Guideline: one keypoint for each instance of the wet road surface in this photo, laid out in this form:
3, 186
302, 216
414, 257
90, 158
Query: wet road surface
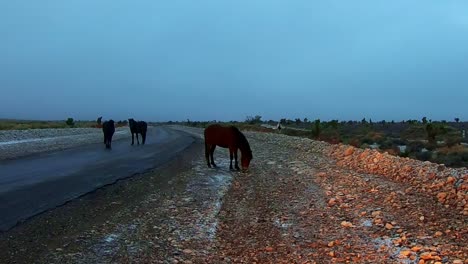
31, 185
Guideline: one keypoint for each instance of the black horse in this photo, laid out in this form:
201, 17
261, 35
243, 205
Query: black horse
108, 129
139, 127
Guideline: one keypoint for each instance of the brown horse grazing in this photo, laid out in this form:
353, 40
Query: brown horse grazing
227, 137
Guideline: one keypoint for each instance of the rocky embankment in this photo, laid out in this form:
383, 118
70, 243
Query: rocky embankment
19, 143
448, 185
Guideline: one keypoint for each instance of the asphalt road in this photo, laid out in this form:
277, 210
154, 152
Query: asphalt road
31, 185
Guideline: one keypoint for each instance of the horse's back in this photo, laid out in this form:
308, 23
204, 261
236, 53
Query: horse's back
219, 135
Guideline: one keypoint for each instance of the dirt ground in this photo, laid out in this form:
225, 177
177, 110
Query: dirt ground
295, 205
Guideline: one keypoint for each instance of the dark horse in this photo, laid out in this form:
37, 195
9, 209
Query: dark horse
227, 137
108, 129
139, 127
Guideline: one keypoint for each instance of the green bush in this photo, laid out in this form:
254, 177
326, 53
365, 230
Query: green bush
70, 122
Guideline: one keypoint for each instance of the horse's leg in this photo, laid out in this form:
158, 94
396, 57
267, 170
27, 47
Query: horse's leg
207, 155
138, 141
213, 147
143, 135
235, 158
133, 139
231, 153
110, 141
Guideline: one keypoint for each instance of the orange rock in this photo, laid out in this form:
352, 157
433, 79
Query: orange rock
416, 248
349, 151
438, 234
269, 249
441, 196
405, 253
346, 224
450, 179
426, 256
388, 226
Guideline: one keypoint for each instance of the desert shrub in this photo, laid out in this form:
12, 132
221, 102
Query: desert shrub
452, 139
416, 146
386, 144
70, 122
424, 156
316, 129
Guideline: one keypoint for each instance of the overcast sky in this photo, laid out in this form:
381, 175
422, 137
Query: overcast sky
224, 60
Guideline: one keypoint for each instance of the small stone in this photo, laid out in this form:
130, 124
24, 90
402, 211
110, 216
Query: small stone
405, 253
349, 151
441, 196
331, 254
187, 251
438, 234
421, 218
331, 244
426, 256
458, 261
346, 224
416, 248
388, 226
376, 213
269, 249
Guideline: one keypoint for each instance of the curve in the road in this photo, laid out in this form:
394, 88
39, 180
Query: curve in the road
31, 185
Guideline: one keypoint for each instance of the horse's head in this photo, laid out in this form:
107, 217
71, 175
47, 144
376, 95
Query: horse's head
245, 160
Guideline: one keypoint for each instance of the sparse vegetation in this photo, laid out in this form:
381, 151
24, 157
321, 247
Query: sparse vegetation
425, 140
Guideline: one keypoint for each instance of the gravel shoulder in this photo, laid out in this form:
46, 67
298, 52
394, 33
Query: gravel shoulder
299, 203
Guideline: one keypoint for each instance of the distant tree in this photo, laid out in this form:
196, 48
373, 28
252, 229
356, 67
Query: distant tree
334, 124
370, 121
431, 133
254, 120
306, 120
283, 121
70, 122
364, 121
457, 119
316, 129
424, 120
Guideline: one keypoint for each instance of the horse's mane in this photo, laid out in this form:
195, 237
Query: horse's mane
244, 144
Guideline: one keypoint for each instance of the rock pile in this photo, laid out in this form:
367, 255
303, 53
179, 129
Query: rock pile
449, 186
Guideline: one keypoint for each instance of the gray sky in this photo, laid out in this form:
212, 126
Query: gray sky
224, 60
